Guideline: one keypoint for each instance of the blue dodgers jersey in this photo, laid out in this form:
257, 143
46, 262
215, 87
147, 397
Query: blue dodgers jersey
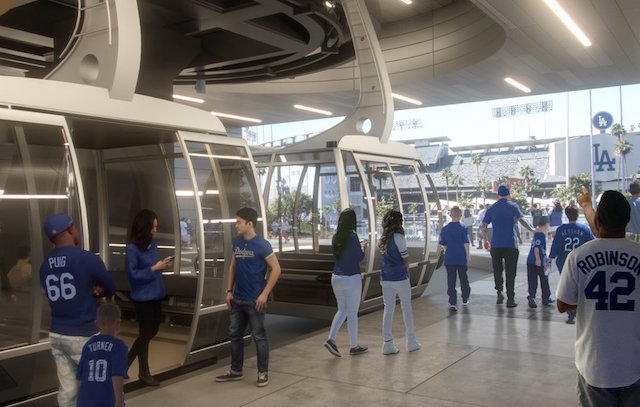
251, 267
503, 215
67, 275
539, 240
454, 236
393, 267
349, 263
103, 357
568, 237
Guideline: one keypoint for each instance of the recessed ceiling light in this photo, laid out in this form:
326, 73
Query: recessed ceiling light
407, 99
517, 84
313, 109
568, 22
406, 1
188, 98
233, 116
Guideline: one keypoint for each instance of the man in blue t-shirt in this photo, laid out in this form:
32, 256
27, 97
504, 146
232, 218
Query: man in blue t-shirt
247, 294
71, 278
103, 365
455, 240
504, 243
569, 236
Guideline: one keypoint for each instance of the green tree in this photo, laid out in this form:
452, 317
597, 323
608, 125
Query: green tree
484, 185
383, 205
519, 196
531, 183
576, 182
287, 202
457, 181
477, 159
466, 200
447, 175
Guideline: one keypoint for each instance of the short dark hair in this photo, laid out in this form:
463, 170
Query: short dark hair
634, 187
108, 313
613, 211
249, 215
572, 213
543, 220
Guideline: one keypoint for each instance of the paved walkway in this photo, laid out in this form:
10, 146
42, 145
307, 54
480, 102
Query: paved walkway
482, 355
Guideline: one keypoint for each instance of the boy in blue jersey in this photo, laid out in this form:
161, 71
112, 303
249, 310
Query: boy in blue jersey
71, 278
537, 264
103, 364
569, 237
455, 240
247, 294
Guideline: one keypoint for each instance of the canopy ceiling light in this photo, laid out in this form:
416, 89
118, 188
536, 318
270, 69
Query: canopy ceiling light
233, 116
313, 109
517, 84
188, 98
568, 22
407, 99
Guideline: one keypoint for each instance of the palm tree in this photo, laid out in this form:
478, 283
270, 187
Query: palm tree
622, 149
457, 181
476, 159
530, 182
446, 174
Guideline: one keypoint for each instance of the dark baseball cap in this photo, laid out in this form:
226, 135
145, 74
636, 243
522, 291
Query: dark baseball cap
56, 224
614, 210
503, 190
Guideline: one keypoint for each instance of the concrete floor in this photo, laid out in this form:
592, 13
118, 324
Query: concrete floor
482, 355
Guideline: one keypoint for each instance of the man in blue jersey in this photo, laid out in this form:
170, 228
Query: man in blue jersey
569, 236
504, 243
247, 294
71, 278
103, 365
602, 280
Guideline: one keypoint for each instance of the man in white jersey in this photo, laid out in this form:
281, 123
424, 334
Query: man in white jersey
601, 279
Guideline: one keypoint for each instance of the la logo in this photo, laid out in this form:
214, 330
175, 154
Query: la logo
602, 159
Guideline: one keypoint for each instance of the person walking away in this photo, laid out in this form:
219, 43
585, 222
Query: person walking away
144, 269
479, 219
555, 217
569, 236
394, 279
71, 278
600, 279
537, 265
103, 365
456, 245
346, 282
467, 222
248, 290
504, 244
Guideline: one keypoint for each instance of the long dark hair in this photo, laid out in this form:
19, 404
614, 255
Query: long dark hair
140, 233
391, 223
346, 225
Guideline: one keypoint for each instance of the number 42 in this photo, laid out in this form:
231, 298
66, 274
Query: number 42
608, 300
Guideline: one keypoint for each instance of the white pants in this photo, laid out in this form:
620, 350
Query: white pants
67, 351
389, 291
348, 290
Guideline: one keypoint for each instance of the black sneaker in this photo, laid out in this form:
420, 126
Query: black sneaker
332, 347
511, 304
500, 298
263, 379
358, 350
532, 303
229, 376
548, 301
149, 380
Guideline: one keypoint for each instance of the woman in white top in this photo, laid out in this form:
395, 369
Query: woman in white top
468, 220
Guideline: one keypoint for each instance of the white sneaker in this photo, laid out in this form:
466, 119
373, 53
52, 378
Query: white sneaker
465, 303
453, 307
388, 348
413, 346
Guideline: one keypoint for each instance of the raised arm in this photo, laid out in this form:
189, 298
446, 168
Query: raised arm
584, 200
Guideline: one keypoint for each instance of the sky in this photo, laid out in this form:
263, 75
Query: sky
479, 123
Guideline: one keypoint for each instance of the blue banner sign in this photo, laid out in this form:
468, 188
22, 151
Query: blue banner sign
602, 120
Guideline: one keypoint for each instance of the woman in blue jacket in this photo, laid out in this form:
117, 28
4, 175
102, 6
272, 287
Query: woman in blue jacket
346, 282
144, 269
394, 279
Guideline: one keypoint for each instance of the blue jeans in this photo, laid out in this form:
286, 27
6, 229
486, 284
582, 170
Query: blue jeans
66, 351
389, 291
454, 270
243, 312
348, 290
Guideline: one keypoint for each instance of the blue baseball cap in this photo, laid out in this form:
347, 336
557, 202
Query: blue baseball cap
56, 224
503, 190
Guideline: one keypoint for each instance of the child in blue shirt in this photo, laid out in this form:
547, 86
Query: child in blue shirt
103, 364
455, 241
537, 264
